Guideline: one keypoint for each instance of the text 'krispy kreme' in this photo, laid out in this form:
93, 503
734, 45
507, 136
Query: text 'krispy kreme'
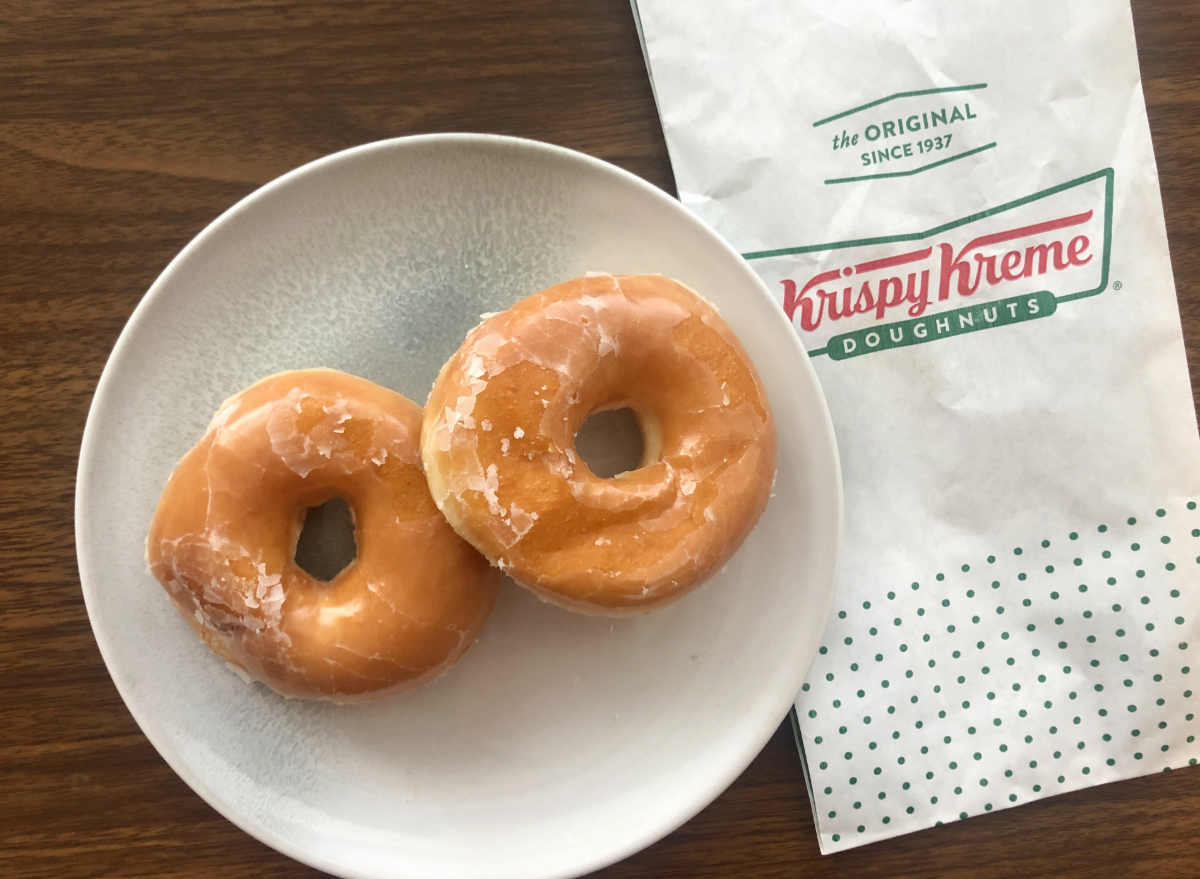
908, 281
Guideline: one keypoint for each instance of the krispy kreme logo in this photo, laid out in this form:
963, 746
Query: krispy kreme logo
1010, 264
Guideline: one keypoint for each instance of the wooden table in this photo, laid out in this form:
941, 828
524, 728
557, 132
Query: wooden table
125, 127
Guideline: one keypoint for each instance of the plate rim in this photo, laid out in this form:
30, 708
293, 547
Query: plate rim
596, 859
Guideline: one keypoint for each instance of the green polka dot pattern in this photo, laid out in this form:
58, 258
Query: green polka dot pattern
1040, 665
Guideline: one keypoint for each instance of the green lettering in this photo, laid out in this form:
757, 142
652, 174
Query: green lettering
957, 322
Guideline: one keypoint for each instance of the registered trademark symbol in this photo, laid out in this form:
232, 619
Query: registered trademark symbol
1117, 285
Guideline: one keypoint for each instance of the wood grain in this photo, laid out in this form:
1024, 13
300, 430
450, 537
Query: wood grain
125, 127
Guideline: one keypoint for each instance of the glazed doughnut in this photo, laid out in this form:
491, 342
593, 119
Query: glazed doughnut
223, 542
499, 430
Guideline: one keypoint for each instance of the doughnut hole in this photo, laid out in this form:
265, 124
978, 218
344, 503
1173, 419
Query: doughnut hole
618, 439
326, 545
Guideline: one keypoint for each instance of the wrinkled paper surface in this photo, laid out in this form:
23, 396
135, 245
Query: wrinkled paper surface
958, 206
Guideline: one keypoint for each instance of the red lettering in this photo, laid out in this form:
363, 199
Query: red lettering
866, 299
963, 272
1028, 231
952, 266
1010, 264
892, 261
810, 306
919, 303
1075, 248
790, 301
836, 313
955, 264
990, 261
1043, 252
891, 294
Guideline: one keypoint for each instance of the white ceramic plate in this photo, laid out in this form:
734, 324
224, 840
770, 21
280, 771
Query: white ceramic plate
560, 743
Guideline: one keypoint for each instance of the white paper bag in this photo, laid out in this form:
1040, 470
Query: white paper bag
958, 206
